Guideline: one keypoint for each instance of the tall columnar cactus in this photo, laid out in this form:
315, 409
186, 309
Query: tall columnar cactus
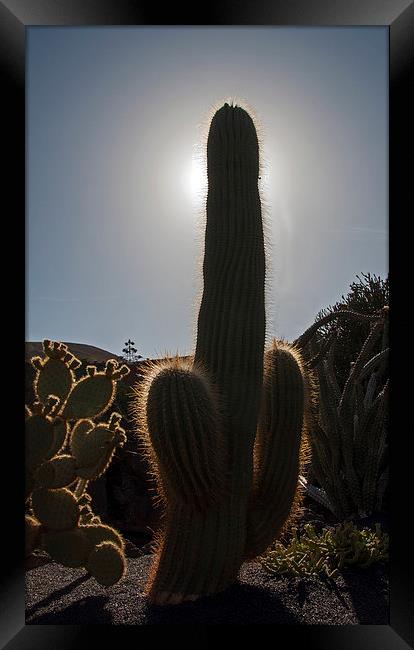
198, 420
65, 449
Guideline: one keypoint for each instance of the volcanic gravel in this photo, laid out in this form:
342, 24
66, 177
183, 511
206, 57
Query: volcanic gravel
58, 595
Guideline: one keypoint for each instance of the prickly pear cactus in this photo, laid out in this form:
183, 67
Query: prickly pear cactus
65, 449
203, 423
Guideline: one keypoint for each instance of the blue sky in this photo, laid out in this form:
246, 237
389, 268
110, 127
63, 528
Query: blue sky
115, 117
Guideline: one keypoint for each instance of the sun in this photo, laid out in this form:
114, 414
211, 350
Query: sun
195, 179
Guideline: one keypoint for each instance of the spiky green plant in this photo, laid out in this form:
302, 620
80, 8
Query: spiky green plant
348, 438
327, 552
65, 450
227, 492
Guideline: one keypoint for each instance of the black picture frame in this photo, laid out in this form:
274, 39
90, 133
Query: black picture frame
398, 16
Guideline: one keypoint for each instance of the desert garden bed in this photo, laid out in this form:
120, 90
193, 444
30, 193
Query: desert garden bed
59, 595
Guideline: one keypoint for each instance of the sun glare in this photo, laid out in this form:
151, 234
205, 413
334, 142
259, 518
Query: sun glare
195, 179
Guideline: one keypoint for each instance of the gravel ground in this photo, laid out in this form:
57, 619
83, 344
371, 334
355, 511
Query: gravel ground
58, 595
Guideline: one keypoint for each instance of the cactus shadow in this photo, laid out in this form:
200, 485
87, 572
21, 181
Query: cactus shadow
82, 612
241, 604
368, 590
56, 595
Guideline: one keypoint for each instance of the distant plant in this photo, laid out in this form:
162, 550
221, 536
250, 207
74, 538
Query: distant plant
349, 433
327, 552
65, 449
366, 296
130, 353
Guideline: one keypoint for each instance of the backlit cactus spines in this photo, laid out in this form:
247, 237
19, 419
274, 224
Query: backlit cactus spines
280, 446
200, 551
98, 533
107, 563
45, 436
187, 439
39, 439
55, 509
93, 395
56, 472
60, 434
94, 446
79, 434
55, 373
63, 453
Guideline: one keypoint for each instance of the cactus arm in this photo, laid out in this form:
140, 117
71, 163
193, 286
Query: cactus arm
279, 448
184, 425
326, 345
345, 402
379, 359
302, 341
374, 439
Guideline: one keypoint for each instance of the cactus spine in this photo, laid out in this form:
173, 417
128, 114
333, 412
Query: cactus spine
199, 422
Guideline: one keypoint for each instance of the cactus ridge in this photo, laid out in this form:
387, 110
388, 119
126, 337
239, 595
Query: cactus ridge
189, 458
281, 447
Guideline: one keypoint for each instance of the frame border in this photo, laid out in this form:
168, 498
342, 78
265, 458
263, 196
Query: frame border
15, 17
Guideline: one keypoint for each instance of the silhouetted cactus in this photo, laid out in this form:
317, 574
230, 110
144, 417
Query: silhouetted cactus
198, 421
64, 450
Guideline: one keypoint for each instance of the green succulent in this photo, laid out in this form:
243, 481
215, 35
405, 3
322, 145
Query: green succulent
328, 551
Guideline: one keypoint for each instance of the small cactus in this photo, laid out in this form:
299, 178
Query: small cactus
65, 449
